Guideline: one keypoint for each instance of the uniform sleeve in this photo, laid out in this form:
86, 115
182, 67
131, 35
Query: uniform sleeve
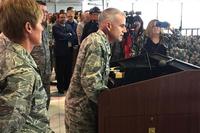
92, 73
15, 100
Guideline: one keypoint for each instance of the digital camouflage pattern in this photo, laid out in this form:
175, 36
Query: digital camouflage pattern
41, 56
186, 48
89, 79
22, 96
4, 41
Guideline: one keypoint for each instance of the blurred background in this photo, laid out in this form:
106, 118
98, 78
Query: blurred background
180, 13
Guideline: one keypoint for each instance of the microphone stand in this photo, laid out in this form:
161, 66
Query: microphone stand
148, 59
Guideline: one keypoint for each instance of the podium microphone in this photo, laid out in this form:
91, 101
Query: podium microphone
164, 62
148, 59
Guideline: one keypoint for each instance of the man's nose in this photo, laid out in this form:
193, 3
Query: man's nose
125, 30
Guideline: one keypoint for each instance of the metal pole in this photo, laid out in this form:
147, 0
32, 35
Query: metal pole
55, 6
157, 6
132, 6
104, 3
181, 22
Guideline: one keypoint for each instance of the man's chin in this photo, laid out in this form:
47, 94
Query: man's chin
120, 39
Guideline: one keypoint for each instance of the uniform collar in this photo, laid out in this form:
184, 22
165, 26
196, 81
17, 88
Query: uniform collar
22, 53
103, 35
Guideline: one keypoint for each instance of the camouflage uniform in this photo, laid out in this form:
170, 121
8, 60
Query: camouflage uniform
22, 96
186, 48
3, 42
89, 79
41, 55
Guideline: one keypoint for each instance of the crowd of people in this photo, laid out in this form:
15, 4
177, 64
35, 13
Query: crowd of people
79, 46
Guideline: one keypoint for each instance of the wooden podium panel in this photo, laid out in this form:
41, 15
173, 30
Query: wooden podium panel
166, 104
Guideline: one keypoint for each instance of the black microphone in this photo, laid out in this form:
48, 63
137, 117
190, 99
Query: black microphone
148, 59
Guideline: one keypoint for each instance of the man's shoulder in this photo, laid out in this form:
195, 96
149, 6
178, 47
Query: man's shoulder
3, 38
94, 36
56, 25
95, 39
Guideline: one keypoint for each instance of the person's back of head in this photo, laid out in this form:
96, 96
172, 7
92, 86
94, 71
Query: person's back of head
14, 16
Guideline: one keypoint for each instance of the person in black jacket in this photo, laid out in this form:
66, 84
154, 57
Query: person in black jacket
70, 18
154, 42
92, 25
64, 37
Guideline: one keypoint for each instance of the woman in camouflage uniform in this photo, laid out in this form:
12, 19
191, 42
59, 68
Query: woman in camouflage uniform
22, 95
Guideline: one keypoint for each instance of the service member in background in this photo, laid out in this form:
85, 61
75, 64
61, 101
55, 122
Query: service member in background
41, 54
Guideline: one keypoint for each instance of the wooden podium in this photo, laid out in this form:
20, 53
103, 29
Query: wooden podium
165, 104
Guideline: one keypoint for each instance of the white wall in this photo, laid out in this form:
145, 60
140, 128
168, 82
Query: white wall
168, 10
56, 7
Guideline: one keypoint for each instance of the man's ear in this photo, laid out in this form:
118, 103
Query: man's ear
28, 27
109, 26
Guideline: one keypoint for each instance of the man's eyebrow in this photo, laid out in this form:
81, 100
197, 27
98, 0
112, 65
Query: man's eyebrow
122, 25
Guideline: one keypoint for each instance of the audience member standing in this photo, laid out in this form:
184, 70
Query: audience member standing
92, 25
41, 54
71, 21
133, 39
84, 18
22, 95
64, 37
70, 18
91, 73
153, 39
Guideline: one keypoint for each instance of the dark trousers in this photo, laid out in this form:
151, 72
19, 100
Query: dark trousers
63, 71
